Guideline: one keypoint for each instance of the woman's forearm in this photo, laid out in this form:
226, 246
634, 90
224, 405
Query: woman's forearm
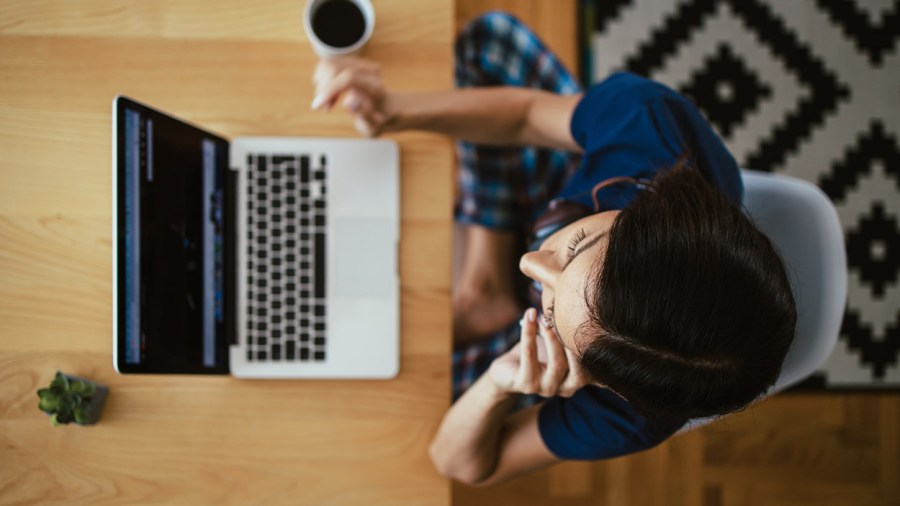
496, 115
466, 445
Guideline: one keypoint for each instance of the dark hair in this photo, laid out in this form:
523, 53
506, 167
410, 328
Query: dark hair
691, 310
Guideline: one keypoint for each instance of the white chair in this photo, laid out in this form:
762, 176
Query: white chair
803, 223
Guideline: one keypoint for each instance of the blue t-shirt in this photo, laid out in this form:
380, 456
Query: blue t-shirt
631, 126
627, 126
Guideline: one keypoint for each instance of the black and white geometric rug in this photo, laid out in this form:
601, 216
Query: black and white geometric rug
807, 88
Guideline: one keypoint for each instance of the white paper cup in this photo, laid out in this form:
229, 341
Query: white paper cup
332, 26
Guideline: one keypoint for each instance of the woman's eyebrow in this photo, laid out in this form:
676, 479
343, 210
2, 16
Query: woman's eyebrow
586, 245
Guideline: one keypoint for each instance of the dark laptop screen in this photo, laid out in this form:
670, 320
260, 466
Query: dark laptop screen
170, 251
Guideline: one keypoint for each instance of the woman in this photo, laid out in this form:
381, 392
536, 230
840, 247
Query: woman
659, 300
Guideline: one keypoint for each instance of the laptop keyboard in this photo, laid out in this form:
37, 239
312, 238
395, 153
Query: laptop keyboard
286, 210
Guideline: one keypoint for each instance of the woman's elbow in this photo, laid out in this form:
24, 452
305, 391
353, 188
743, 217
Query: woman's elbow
466, 473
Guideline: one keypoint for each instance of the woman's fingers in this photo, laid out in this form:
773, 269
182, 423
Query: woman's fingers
557, 364
528, 380
368, 119
326, 70
328, 92
521, 370
357, 84
357, 102
330, 88
547, 378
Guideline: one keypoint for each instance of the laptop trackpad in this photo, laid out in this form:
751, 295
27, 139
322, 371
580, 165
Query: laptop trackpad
364, 259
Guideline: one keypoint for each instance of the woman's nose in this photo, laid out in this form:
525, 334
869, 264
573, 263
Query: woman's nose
540, 266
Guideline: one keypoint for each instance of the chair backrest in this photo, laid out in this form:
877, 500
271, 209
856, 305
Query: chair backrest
803, 224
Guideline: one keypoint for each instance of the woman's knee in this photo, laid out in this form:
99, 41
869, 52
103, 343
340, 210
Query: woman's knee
482, 48
490, 23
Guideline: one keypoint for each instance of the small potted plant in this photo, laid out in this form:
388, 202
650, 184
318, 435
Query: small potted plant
72, 399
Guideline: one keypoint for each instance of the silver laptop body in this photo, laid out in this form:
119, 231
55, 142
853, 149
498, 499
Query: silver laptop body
307, 286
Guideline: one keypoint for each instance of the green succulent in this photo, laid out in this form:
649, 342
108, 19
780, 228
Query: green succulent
66, 400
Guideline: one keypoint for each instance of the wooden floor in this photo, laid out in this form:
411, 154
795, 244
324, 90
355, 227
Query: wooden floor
822, 450
793, 449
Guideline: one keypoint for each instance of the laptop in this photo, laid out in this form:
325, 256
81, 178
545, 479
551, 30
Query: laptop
257, 257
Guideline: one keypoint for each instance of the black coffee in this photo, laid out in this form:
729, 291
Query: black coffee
338, 23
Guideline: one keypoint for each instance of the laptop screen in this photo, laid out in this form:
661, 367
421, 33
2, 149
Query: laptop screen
170, 190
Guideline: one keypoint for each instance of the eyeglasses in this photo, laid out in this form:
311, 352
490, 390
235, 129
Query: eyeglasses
607, 195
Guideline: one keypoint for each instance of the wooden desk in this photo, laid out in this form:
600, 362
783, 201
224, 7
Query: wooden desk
239, 68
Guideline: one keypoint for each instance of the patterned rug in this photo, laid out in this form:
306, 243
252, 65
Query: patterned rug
807, 88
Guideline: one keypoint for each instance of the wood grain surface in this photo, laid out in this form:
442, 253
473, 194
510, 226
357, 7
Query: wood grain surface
237, 68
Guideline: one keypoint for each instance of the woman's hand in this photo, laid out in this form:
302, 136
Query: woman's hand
364, 96
538, 364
